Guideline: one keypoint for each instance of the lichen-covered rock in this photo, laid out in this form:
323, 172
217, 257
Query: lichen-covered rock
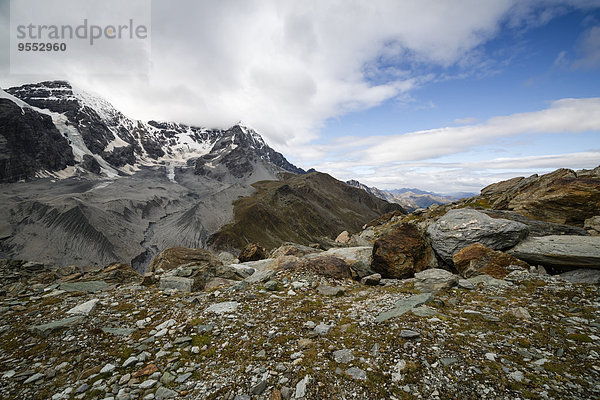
402, 252
478, 259
175, 256
252, 252
292, 249
460, 228
592, 225
563, 196
328, 266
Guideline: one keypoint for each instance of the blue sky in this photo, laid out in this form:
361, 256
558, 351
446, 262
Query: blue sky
440, 95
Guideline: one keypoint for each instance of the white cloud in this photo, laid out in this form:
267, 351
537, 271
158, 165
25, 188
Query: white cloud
285, 67
466, 176
409, 159
589, 49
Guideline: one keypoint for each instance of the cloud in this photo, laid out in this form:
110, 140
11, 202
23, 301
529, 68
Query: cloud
589, 49
565, 115
465, 121
471, 177
285, 67
414, 159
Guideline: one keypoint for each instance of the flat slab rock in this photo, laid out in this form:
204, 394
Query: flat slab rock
224, 307
589, 276
88, 286
560, 251
405, 305
45, 329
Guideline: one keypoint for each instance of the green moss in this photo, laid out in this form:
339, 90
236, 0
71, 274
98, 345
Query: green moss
201, 340
555, 367
580, 337
125, 307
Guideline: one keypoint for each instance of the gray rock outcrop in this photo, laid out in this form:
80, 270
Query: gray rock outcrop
462, 227
560, 251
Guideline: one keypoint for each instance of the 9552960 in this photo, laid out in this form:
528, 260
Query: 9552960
41, 46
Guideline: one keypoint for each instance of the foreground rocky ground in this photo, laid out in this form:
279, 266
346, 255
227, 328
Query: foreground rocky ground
297, 334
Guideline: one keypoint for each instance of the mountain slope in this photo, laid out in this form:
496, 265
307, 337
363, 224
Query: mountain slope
299, 208
91, 186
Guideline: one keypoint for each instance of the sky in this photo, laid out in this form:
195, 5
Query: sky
446, 96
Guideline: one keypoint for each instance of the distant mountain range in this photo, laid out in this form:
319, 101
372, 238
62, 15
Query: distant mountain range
411, 199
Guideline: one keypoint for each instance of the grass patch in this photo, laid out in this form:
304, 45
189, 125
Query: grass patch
580, 337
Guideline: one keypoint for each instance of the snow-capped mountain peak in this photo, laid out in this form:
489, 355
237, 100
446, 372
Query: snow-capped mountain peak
104, 141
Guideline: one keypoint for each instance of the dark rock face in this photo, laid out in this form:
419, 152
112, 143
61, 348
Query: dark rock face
90, 163
57, 96
563, 196
478, 259
29, 142
462, 227
120, 156
252, 252
402, 252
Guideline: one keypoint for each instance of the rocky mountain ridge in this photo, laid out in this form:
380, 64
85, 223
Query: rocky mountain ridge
106, 142
409, 199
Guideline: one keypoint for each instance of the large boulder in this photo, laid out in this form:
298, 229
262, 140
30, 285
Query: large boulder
252, 252
352, 254
402, 252
328, 266
460, 228
293, 249
176, 256
560, 251
537, 228
478, 259
563, 196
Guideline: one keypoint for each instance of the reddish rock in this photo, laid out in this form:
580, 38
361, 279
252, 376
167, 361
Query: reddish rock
328, 266
120, 274
402, 252
149, 279
343, 237
252, 252
478, 259
147, 370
